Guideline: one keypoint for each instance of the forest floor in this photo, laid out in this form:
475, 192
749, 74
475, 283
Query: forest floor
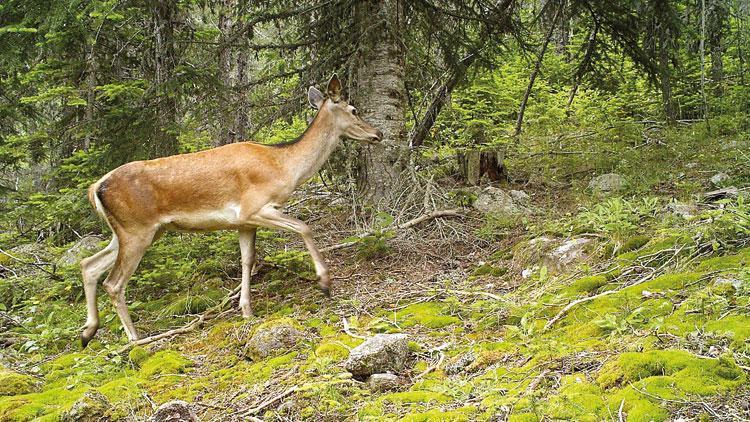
648, 320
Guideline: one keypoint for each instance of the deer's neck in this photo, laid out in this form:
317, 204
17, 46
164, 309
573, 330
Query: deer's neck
306, 156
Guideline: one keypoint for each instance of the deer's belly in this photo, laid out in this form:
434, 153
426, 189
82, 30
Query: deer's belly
218, 219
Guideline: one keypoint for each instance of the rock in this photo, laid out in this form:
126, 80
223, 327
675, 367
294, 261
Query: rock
715, 195
84, 246
569, 252
379, 354
383, 382
496, 200
174, 411
683, 210
93, 406
520, 197
719, 178
608, 183
459, 365
270, 340
723, 281
13, 383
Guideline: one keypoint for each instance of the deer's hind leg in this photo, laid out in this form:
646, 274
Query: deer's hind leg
92, 269
132, 246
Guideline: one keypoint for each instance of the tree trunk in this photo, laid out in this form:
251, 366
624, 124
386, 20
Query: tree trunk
164, 63
664, 75
380, 97
535, 72
716, 22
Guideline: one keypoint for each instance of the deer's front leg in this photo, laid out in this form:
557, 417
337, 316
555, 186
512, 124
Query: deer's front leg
269, 216
247, 249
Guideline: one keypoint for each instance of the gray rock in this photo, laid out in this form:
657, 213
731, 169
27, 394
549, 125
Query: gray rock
608, 183
719, 178
496, 200
84, 246
734, 282
383, 382
683, 210
460, 364
93, 406
520, 197
174, 411
568, 252
271, 340
379, 354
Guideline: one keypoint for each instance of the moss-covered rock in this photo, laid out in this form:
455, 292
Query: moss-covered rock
12, 383
165, 362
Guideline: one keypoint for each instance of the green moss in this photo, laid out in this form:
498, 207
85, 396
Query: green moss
523, 417
587, 284
727, 262
193, 303
458, 415
12, 383
138, 355
681, 372
334, 350
427, 314
577, 399
416, 397
490, 270
30, 406
165, 362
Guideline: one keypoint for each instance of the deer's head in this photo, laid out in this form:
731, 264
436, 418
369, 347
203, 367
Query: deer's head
342, 114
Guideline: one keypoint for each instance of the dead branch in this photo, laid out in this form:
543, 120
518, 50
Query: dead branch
429, 216
39, 265
268, 402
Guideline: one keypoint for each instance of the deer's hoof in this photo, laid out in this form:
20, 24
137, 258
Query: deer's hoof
87, 335
326, 291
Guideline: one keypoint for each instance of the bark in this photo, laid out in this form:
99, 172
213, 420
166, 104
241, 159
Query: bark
233, 74
535, 72
164, 62
665, 77
423, 127
717, 15
380, 97
477, 163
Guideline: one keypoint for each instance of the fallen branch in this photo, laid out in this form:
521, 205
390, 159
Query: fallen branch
268, 402
208, 315
429, 216
39, 265
347, 330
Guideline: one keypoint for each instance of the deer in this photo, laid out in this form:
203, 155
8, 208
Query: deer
239, 186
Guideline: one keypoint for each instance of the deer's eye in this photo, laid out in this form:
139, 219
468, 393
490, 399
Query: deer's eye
354, 111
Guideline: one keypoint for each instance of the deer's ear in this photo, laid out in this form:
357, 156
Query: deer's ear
334, 88
315, 97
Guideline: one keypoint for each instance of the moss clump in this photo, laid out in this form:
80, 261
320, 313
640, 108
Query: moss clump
165, 362
427, 314
458, 415
673, 373
489, 270
587, 284
416, 397
12, 383
334, 350
523, 417
138, 355
727, 262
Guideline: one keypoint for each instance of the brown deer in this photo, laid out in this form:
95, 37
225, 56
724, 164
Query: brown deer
238, 186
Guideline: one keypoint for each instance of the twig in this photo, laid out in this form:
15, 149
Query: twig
347, 330
408, 224
208, 315
35, 264
432, 367
619, 411
268, 402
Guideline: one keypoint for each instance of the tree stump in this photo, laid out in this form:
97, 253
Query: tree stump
474, 164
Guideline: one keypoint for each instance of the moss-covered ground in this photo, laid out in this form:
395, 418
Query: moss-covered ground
662, 323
